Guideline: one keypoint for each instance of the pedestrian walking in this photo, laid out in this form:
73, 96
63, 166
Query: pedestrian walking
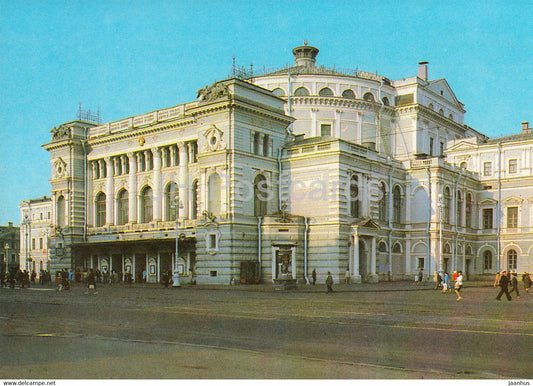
313, 275
514, 285
458, 284
347, 276
329, 282
438, 280
497, 279
420, 276
446, 283
504, 287
526, 279
91, 282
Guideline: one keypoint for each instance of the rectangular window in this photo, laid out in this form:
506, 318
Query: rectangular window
431, 144
512, 217
40, 243
442, 148
32, 243
488, 262
325, 129
487, 168
487, 218
513, 166
420, 263
212, 241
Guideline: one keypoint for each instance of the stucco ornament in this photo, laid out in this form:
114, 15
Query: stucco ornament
60, 132
60, 168
213, 92
213, 137
283, 215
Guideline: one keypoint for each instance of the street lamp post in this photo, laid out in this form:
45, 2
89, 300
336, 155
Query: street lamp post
440, 205
177, 205
26, 222
6, 247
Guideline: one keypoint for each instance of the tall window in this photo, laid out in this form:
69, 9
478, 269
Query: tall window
215, 194
468, 211
257, 139
487, 260
171, 191
122, 207
459, 208
147, 204
447, 204
431, 144
354, 197
266, 145
383, 205
397, 204
40, 243
260, 195
60, 211
487, 168
325, 129
487, 218
512, 217
100, 209
513, 166
512, 260
33, 243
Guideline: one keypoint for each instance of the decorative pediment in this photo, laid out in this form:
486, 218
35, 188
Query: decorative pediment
213, 137
488, 202
442, 88
513, 200
367, 223
462, 146
60, 168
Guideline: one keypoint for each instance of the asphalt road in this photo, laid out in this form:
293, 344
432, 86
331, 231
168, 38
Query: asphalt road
383, 331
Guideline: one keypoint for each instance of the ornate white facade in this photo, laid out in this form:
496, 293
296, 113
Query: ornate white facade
298, 169
35, 228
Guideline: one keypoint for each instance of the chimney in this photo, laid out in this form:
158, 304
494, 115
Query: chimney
423, 70
525, 128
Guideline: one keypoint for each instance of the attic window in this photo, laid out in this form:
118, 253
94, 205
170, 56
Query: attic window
348, 94
326, 91
441, 92
369, 97
301, 91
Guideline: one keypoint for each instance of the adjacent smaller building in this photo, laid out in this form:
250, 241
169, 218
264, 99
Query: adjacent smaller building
9, 242
35, 227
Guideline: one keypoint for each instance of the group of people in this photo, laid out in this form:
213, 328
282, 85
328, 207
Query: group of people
507, 279
444, 282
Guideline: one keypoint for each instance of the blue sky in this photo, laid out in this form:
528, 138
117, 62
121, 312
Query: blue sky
130, 57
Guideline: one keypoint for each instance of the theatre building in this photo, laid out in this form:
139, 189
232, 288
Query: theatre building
298, 168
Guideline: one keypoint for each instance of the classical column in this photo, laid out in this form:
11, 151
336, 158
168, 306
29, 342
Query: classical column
158, 194
132, 194
109, 191
184, 180
356, 276
373, 276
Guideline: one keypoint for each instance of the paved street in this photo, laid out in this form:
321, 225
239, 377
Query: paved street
385, 331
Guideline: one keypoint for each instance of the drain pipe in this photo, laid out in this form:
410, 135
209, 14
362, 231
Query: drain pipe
83, 143
390, 217
306, 240
259, 220
280, 180
429, 219
499, 206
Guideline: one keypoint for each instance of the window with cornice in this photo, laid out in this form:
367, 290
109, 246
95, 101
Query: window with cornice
100, 209
513, 166
487, 168
512, 217
512, 260
487, 218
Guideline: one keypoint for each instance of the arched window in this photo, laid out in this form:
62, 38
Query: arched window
278, 92
171, 192
369, 97
512, 260
301, 91
194, 200
354, 197
385, 101
382, 247
463, 165
326, 91
459, 208
431, 106
397, 248
383, 204
215, 194
441, 112
100, 209
487, 260
60, 221
447, 205
450, 116
147, 205
468, 211
260, 195
397, 204
122, 207
348, 94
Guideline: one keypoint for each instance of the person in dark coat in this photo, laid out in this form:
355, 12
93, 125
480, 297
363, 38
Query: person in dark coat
526, 279
313, 275
329, 282
504, 284
514, 285
91, 282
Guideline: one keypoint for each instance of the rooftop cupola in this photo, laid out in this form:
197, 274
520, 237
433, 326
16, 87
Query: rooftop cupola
305, 55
